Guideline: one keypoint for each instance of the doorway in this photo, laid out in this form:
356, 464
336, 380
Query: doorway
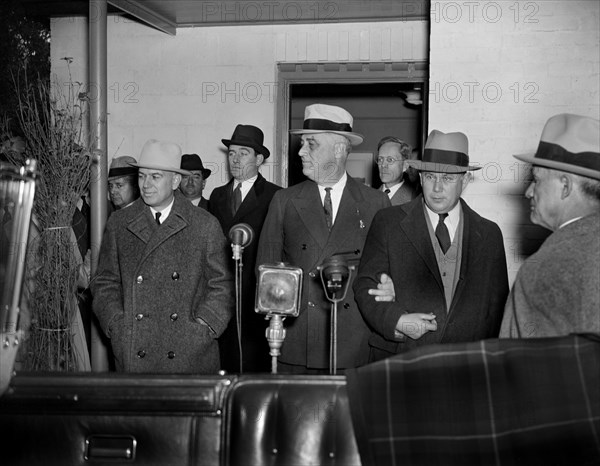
384, 99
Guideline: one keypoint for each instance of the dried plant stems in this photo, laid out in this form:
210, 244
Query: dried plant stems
54, 120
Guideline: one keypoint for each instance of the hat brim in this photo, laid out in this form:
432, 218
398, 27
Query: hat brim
258, 148
440, 167
565, 167
354, 138
162, 167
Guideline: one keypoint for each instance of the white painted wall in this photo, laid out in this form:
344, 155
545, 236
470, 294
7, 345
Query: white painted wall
499, 70
195, 87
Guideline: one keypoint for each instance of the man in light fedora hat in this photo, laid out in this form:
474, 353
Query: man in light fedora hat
557, 289
163, 290
123, 186
193, 184
446, 263
309, 222
245, 199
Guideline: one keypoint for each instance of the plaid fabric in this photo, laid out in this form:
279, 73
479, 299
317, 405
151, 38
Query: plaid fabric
491, 402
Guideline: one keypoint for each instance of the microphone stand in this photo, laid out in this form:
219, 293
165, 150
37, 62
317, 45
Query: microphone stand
331, 287
237, 257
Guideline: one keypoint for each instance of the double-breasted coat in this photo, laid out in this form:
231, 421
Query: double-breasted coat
295, 231
252, 211
163, 294
399, 245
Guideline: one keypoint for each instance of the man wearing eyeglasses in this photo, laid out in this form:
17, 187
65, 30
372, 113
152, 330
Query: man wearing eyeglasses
444, 264
392, 153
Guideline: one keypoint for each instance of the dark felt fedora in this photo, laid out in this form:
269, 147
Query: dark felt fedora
569, 143
248, 136
120, 166
192, 162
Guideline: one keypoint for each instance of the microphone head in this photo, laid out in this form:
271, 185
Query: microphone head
241, 234
335, 268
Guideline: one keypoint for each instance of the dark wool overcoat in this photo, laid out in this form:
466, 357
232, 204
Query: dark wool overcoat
163, 294
295, 231
252, 211
399, 244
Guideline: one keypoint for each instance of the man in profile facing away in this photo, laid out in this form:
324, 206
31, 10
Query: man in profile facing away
557, 289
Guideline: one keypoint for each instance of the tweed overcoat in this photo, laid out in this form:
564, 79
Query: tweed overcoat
557, 289
295, 232
252, 211
399, 244
163, 294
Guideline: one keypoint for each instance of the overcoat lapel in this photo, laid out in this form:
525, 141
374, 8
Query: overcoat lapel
470, 246
313, 218
143, 227
415, 228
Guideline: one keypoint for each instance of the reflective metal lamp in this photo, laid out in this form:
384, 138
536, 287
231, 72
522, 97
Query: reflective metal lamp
278, 294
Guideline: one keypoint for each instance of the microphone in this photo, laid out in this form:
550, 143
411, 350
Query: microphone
241, 235
334, 274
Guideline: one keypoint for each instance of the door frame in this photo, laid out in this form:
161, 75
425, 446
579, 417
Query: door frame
289, 74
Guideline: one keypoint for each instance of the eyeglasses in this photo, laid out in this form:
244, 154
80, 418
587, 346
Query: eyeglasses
446, 178
387, 160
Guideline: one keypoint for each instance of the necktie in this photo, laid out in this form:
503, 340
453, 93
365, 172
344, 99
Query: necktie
157, 215
441, 233
387, 191
328, 208
237, 198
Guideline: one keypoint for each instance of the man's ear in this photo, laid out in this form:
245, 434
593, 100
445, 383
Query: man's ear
176, 181
339, 150
259, 159
567, 185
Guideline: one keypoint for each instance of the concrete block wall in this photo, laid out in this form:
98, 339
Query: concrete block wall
194, 88
498, 71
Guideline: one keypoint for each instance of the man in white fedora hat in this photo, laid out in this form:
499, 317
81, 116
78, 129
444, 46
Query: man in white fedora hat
446, 263
163, 290
557, 289
307, 223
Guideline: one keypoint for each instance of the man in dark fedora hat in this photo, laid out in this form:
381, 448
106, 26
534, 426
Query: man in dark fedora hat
123, 182
193, 184
557, 289
163, 291
309, 222
446, 263
245, 199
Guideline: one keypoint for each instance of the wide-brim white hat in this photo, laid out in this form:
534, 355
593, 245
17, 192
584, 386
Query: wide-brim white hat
322, 118
445, 153
569, 143
160, 155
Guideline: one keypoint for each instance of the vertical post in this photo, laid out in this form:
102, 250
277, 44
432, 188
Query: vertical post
98, 130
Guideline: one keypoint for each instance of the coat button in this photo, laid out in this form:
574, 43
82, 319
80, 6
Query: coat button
312, 274
174, 316
357, 251
141, 354
175, 276
304, 246
139, 316
170, 354
139, 279
311, 304
346, 305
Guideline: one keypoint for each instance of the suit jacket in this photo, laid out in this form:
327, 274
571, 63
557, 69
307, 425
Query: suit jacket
163, 293
557, 289
406, 193
399, 244
252, 211
295, 232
